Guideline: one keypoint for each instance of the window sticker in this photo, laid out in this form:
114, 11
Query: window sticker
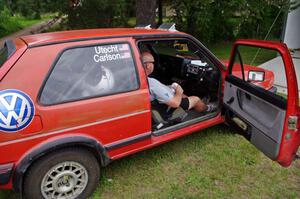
111, 53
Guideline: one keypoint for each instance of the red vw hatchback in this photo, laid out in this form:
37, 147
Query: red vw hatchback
71, 102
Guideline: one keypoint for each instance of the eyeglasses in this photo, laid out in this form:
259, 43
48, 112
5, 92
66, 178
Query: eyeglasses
148, 62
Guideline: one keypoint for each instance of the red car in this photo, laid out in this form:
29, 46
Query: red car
71, 102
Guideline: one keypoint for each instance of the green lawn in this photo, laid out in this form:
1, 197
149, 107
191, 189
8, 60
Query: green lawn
213, 163
221, 50
250, 55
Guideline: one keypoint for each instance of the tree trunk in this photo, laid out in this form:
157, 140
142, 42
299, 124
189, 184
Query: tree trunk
160, 13
146, 12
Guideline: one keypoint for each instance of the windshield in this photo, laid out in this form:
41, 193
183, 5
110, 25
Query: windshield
3, 55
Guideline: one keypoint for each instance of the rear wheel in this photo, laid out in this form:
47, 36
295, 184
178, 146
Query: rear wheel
64, 174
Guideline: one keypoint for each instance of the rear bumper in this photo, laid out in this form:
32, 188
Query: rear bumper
5, 173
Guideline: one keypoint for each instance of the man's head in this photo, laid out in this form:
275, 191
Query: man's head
148, 62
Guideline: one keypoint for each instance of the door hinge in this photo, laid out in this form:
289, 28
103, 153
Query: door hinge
292, 123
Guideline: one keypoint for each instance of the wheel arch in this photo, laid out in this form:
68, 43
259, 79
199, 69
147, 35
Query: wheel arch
47, 147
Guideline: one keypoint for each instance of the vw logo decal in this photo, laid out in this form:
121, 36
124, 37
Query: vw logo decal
16, 110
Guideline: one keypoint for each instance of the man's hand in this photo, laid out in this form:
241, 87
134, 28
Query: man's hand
179, 90
176, 100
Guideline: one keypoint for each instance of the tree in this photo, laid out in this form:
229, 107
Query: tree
160, 12
212, 20
146, 12
93, 13
27, 8
204, 19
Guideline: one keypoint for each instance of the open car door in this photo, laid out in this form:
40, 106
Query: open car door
268, 119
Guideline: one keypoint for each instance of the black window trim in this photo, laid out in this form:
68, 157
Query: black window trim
10, 49
86, 98
237, 54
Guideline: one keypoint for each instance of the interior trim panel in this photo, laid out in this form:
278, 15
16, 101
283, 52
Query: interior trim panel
257, 91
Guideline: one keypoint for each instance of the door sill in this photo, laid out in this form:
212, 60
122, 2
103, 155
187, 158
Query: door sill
178, 126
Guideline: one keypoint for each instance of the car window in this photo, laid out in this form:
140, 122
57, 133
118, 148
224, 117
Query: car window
261, 67
93, 71
3, 55
179, 48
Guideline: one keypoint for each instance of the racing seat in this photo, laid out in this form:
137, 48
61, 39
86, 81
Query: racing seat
164, 116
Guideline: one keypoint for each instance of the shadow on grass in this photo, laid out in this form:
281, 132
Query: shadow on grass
165, 150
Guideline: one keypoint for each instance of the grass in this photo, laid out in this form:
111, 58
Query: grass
250, 55
221, 50
213, 163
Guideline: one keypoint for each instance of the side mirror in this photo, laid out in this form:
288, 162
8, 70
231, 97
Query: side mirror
256, 76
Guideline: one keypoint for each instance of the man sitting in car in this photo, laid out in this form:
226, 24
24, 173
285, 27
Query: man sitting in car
172, 95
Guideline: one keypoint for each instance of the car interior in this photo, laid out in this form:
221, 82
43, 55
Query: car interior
183, 62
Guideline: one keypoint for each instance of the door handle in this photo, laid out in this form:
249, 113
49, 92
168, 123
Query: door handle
248, 96
239, 98
230, 100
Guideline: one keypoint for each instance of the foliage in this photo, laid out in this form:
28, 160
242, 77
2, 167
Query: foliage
212, 20
30, 9
10, 24
80, 13
2, 4
256, 18
204, 19
294, 4
7, 24
146, 12
208, 20
94, 13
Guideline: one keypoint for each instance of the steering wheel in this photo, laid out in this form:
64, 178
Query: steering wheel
184, 66
198, 71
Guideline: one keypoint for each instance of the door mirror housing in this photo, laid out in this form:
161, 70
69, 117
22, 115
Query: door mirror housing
256, 76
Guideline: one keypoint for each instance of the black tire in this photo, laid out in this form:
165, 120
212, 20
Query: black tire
81, 158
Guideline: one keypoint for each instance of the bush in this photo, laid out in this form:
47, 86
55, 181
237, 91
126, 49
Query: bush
7, 23
213, 21
94, 13
206, 20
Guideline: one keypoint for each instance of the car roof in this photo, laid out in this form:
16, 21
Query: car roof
86, 34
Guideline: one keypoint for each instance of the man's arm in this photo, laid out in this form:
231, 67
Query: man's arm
176, 100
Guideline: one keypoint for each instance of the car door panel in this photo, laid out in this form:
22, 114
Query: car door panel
269, 121
267, 131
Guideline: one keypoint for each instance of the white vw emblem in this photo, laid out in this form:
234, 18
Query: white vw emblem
16, 110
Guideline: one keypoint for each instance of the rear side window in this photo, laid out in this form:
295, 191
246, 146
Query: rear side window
93, 71
3, 55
